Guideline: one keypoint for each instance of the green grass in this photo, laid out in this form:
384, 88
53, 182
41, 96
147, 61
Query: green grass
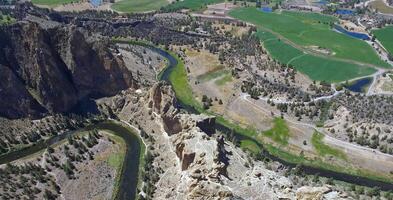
324, 114
193, 5
225, 79
317, 68
311, 29
212, 74
249, 134
6, 19
324, 149
116, 159
279, 133
179, 81
323, 69
53, 2
385, 36
250, 145
129, 6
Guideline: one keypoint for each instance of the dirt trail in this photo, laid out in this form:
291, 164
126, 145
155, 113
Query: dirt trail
364, 157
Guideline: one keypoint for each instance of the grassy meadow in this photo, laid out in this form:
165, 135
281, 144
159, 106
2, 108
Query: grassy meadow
52, 3
129, 6
324, 149
317, 68
279, 133
385, 36
311, 29
193, 5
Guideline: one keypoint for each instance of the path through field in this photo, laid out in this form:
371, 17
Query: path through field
362, 156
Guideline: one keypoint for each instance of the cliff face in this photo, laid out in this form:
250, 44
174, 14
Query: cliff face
51, 70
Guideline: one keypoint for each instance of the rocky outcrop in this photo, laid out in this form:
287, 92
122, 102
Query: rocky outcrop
52, 69
206, 124
162, 101
311, 193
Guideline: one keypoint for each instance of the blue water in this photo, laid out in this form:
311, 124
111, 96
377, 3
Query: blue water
266, 9
344, 12
96, 3
359, 85
321, 2
357, 35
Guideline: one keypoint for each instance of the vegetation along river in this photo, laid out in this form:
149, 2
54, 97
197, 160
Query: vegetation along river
165, 76
130, 170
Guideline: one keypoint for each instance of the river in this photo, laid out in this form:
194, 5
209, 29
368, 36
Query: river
130, 170
172, 62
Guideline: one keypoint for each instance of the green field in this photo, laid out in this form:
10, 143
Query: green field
190, 4
311, 29
53, 2
317, 68
279, 133
385, 36
128, 6
250, 145
324, 149
291, 38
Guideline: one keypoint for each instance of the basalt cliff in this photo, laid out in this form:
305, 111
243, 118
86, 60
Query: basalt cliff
50, 68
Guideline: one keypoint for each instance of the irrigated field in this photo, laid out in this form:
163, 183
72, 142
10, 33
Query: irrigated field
53, 2
139, 5
306, 41
190, 4
317, 68
385, 36
311, 29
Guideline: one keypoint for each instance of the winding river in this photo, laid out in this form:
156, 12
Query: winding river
130, 170
358, 180
129, 174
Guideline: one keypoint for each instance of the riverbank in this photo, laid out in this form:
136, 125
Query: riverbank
176, 75
133, 162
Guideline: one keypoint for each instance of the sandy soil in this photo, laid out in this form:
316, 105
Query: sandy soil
219, 9
235, 30
77, 7
353, 27
384, 85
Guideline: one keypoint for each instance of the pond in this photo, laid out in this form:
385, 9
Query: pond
359, 85
356, 35
344, 12
266, 9
96, 3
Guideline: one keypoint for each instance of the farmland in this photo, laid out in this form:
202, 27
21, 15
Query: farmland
311, 29
307, 63
311, 46
384, 35
190, 4
53, 2
128, 6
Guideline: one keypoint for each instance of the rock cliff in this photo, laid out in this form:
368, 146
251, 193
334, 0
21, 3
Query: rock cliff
191, 161
51, 69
